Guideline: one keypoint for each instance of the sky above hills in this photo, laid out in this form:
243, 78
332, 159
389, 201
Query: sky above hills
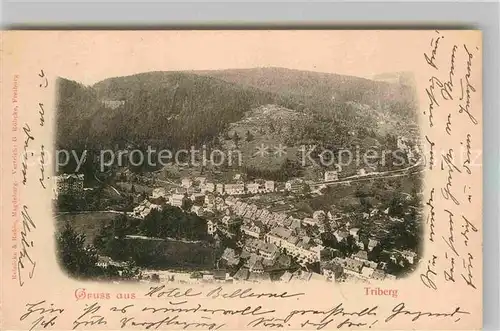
91, 56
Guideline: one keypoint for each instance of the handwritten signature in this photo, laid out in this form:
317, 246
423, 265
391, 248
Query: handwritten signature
400, 310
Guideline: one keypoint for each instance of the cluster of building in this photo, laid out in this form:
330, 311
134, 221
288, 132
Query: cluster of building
144, 209
295, 244
272, 236
255, 274
198, 189
238, 188
358, 268
268, 233
195, 188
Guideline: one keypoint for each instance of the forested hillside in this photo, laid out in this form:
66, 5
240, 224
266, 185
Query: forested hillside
182, 109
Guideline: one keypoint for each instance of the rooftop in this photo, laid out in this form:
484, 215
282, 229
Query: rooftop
281, 232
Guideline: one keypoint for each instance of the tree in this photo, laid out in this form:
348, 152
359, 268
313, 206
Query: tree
396, 205
306, 189
123, 177
131, 271
290, 169
375, 253
151, 225
120, 226
348, 246
271, 127
236, 138
75, 256
187, 204
235, 228
175, 223
116, 248
111, 240
196, 275
102, 238
329, 240
69, 202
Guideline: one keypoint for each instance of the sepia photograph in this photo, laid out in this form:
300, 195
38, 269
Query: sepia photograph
242, 180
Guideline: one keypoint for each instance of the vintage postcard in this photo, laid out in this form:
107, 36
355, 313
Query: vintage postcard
241, 180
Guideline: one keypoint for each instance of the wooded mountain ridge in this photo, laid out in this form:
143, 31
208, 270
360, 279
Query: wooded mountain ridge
178, 109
